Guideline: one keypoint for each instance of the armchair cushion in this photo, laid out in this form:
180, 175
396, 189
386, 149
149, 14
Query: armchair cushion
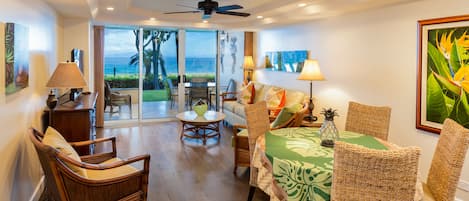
110, 173
54, 139
286, 114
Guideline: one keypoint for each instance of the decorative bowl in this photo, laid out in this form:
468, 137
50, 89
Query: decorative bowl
200, 109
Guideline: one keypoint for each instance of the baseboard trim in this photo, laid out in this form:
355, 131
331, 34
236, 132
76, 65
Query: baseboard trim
37, 192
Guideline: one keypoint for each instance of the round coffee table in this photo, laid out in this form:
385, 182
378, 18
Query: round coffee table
200, 127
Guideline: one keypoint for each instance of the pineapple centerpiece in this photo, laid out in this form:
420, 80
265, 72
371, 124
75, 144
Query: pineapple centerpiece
328, 131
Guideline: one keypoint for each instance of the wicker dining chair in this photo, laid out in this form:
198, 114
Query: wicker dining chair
363, 174
367, 119
257, 123
447, 162
97, 177
241, 145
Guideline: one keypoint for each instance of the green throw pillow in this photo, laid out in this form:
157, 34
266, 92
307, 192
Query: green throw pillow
285, 114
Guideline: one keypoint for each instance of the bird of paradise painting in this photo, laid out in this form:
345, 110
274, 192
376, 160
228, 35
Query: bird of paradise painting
443, 85
16, 58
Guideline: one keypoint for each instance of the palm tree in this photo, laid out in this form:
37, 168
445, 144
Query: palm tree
152, 58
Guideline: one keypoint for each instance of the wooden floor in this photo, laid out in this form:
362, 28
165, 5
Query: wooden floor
184, 170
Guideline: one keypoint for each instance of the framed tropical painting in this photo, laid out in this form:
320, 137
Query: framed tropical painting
443, 72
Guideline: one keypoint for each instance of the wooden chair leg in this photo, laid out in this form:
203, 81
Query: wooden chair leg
252, 190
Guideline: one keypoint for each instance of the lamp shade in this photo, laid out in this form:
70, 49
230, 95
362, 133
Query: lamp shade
311, 71
66, 75
248, 63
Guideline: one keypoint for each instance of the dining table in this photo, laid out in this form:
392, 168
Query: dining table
292, 165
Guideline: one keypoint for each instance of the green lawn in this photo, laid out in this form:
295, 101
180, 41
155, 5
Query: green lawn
155, 95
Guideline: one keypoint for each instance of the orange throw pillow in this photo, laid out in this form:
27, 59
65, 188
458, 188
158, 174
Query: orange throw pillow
275, 98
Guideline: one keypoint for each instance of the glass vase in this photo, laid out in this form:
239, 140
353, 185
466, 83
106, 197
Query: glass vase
328, 133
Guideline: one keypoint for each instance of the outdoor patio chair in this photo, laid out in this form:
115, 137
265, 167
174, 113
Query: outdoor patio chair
199, 90
113, 98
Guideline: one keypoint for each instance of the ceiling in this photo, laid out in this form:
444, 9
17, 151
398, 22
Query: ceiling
151, 12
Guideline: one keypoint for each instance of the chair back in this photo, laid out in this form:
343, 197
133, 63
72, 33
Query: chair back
366, 174
107, 91
448, 160
257, 123
198, 90
230, 88
47, 155
370, 120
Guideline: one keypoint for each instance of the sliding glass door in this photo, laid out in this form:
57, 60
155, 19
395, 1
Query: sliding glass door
144, 70
201, 67
160, 69
121, 74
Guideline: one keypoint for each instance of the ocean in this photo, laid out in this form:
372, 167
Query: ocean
193, 65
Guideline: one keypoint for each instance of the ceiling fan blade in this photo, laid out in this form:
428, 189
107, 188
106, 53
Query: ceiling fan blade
186, 6
233, 13
230, 7
195, 11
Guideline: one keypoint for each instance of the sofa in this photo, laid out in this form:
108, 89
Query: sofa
234, 110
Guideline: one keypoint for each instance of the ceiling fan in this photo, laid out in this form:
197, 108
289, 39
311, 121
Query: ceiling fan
209, 6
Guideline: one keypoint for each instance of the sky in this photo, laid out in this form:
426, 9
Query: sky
121, 43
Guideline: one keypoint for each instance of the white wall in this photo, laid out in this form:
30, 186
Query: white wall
369, 57
20, 170
77, 34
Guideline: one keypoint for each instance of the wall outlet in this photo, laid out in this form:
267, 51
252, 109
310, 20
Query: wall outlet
463, 185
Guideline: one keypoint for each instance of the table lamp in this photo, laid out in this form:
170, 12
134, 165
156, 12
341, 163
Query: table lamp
67, 75
312, 73
248, 66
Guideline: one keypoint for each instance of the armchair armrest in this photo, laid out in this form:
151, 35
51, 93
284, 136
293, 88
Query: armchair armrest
97, 158
145, 158
236, 128
224, 96
95, 141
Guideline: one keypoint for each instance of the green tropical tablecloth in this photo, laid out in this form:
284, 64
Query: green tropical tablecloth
301, 166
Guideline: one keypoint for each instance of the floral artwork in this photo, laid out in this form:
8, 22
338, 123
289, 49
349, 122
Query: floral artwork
16, 58
443, 72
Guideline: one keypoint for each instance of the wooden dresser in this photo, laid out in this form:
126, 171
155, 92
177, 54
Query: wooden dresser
75, 120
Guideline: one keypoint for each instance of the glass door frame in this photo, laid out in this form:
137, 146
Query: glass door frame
182, 68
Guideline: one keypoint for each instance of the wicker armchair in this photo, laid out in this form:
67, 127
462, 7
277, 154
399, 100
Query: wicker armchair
107, 178
447, 162
370, 120
241, 145
362, 174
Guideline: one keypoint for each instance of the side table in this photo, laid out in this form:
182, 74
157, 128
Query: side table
201, 127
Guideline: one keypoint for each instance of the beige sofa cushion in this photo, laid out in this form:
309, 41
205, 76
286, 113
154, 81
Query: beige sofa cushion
293, 97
